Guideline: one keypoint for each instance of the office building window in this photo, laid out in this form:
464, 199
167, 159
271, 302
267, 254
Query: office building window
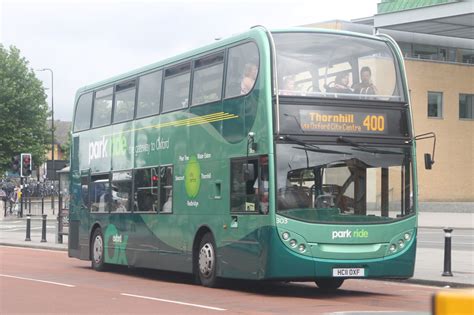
467, 55
435, 104
425, 52
452, 54
466, 106
406, 49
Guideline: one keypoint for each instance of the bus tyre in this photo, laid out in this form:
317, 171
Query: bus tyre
207, 262
329, 284
97, 251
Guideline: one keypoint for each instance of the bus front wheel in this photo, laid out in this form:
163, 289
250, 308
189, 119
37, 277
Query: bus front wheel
207, 261
97, 251
329, 284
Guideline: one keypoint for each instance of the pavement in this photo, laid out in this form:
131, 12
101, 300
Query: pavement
428, 265
430, 261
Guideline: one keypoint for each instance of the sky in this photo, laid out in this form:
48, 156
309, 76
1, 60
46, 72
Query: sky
88, 41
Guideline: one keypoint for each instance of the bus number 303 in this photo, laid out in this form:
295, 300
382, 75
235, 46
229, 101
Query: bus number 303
374, 123
282, 220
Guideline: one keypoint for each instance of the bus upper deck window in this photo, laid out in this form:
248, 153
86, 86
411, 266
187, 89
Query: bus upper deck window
149, 94
176, 88
207, 79
82, 119
243, 65
337, 66
102, 111
124, 102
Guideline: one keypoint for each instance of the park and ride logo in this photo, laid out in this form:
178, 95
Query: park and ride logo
359, 233
98, 149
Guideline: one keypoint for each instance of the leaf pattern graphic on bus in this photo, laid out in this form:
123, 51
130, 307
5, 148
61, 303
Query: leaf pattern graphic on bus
192, 176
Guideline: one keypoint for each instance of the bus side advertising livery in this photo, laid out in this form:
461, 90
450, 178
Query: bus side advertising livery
269, 155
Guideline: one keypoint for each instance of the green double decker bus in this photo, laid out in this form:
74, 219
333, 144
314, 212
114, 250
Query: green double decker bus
269, 155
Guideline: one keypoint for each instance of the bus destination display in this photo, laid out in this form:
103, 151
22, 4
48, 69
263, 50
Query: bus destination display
343, 121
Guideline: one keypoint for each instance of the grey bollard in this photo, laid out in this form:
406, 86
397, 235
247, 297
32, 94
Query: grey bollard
28, 228
43, 229
447, 253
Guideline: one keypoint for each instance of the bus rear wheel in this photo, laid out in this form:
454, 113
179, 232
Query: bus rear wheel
329, 284
207, 262
98, 250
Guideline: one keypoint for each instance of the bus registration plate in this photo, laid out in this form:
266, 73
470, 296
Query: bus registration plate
348, 272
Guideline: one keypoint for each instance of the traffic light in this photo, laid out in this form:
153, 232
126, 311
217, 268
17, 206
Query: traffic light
155, 181
15, 166
25, 165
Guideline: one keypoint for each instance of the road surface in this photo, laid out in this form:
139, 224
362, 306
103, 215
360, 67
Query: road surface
42, 281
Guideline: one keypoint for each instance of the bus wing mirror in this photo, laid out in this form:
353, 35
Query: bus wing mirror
248, 170
429, 159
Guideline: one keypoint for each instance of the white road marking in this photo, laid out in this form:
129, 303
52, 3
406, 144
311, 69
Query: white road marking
33, 228
11, 222
42, 281
174, 302
452, 243
40, 227
380, 312
11, 226
406, 284
441, 233
14, 230
38, 249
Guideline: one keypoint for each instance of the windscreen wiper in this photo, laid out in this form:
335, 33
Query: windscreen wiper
359, 147
304, 144
312, 147
319, 150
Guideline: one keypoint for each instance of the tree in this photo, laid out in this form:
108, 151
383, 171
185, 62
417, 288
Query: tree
23, 110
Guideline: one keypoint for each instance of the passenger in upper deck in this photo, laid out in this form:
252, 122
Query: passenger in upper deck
288, 86
248, 80
365, 86
340, 85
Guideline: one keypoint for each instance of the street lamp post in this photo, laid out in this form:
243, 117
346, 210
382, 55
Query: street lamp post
52, 129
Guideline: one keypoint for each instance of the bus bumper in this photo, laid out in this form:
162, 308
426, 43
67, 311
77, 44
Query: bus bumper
284, 264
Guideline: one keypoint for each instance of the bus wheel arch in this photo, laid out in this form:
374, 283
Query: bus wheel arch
205, 258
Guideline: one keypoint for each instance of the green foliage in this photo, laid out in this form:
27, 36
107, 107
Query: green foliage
23, 110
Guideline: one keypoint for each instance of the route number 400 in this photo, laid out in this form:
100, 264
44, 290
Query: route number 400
282, 220
374, 123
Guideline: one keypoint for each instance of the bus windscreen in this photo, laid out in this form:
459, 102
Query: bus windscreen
336, 66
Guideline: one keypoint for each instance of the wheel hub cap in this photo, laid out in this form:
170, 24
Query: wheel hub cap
98, 247
206, 260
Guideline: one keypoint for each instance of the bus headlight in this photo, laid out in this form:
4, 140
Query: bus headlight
295, 242
407, 236
401, 243
393, 247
